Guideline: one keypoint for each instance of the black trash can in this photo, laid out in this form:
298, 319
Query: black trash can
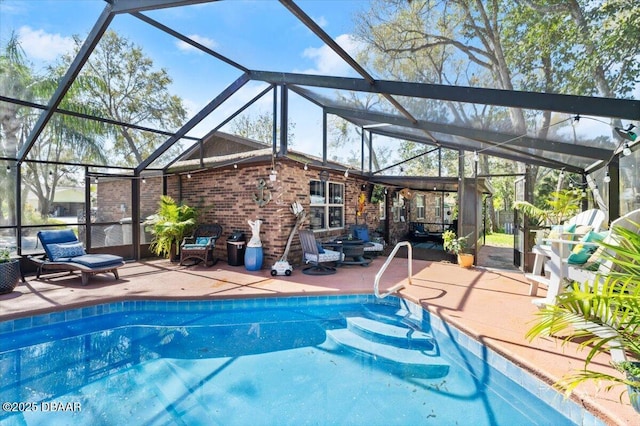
235, 248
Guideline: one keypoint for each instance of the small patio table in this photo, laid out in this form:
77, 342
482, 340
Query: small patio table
352, 249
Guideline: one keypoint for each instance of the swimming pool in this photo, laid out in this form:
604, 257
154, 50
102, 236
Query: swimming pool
346, 359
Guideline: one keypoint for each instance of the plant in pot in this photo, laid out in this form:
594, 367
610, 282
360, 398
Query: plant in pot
610, 305
457, 246
169, 225
9, 271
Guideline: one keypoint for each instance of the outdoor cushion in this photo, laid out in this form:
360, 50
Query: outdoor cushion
583, 229
56, 236
202, 241
320, 248
581, 252
65, 250
193, 246
558, 230
373, 246
97, 260
327, 256
361, 234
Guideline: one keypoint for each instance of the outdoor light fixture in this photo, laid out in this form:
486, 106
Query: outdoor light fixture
188, 175
626, 151
346, 173
273, 175
476, 158
235, 166
305, 167
8, 169
576, 120
96, 179
607, 178
50, 172
144, 180
626, 134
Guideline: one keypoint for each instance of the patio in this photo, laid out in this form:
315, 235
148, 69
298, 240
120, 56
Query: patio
489, 303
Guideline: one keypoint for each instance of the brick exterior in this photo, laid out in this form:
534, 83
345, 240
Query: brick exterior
226, 196
113, 193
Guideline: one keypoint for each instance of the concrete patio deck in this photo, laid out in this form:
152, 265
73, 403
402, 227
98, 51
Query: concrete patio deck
491, 304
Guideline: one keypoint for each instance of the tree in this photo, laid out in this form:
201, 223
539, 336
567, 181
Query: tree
119, 82
64, 138
570, 47
15, 79
260, 127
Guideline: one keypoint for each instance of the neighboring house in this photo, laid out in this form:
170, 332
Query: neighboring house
68, 202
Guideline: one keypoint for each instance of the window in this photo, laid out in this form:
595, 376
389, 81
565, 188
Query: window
420, 206
327, 205
398, 207
438, 207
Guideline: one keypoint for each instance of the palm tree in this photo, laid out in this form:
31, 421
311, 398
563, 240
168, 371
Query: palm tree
602, 315
170, 224
561, 206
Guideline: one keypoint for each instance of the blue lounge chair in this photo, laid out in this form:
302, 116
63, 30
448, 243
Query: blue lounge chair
63, 252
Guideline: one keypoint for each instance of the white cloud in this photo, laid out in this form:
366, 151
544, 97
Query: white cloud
322, 22
40, 45
327, 62
205, 41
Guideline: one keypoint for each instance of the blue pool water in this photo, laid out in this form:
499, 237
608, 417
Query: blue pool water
302, 360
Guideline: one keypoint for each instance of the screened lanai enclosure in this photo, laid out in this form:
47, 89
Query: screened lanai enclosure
175, 97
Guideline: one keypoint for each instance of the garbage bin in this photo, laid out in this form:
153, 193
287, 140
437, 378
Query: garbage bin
235, 248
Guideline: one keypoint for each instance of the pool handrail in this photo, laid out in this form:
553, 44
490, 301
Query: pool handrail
396, 287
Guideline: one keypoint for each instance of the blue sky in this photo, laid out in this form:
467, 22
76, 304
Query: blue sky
259, 34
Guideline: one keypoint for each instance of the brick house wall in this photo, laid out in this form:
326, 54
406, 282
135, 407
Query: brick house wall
226, 196
111, 194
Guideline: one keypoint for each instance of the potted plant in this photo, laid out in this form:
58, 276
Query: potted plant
612, 303
9, 271
457, 246
171, 223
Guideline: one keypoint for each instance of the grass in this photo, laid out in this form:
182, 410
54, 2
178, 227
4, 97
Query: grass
499, 240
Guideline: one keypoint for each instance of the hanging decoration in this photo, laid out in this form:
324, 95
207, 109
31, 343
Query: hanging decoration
263, 196
406, 193
362, 199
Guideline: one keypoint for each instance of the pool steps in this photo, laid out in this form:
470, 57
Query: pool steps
391, 334
390, 340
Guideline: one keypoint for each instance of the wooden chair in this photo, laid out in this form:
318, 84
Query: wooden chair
317, 256
199, 247
560, 269
593, 219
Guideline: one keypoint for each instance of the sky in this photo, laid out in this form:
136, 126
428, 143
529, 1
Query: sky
260, 35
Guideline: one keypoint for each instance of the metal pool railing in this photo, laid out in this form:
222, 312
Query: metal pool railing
396, 287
